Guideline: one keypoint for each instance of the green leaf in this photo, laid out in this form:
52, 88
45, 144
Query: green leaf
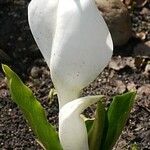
117, 114
96, 132
32, 110
134, 147
89, 123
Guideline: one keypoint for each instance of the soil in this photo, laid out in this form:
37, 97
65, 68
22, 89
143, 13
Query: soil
128, 69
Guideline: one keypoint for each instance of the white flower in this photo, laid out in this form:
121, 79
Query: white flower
72, 130
74, 41
77, 45
42, 20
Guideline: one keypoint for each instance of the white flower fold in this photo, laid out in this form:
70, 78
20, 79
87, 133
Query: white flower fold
42, 20
82, 47
74, 40
72, 129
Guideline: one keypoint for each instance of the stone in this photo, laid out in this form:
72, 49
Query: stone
117, 18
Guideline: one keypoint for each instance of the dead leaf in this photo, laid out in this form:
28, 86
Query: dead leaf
141, 3
145, 11
119, 62
145, 89
131, 86
120, 86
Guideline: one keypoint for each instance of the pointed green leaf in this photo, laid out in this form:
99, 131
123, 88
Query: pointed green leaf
134, 147
89, 123
96, 132
32, 110
117, 114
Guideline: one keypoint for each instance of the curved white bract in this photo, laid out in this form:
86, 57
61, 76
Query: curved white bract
72, 129
82, 47
42, 21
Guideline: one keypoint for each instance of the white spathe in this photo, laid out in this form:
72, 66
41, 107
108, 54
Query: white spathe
42, 21
82, 47
72, 129
74, 40
77, 45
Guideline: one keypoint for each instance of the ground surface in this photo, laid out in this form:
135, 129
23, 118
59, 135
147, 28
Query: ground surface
129, 69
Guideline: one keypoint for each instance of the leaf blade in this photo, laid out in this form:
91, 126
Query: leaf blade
117, 115
32, 110
96, 131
